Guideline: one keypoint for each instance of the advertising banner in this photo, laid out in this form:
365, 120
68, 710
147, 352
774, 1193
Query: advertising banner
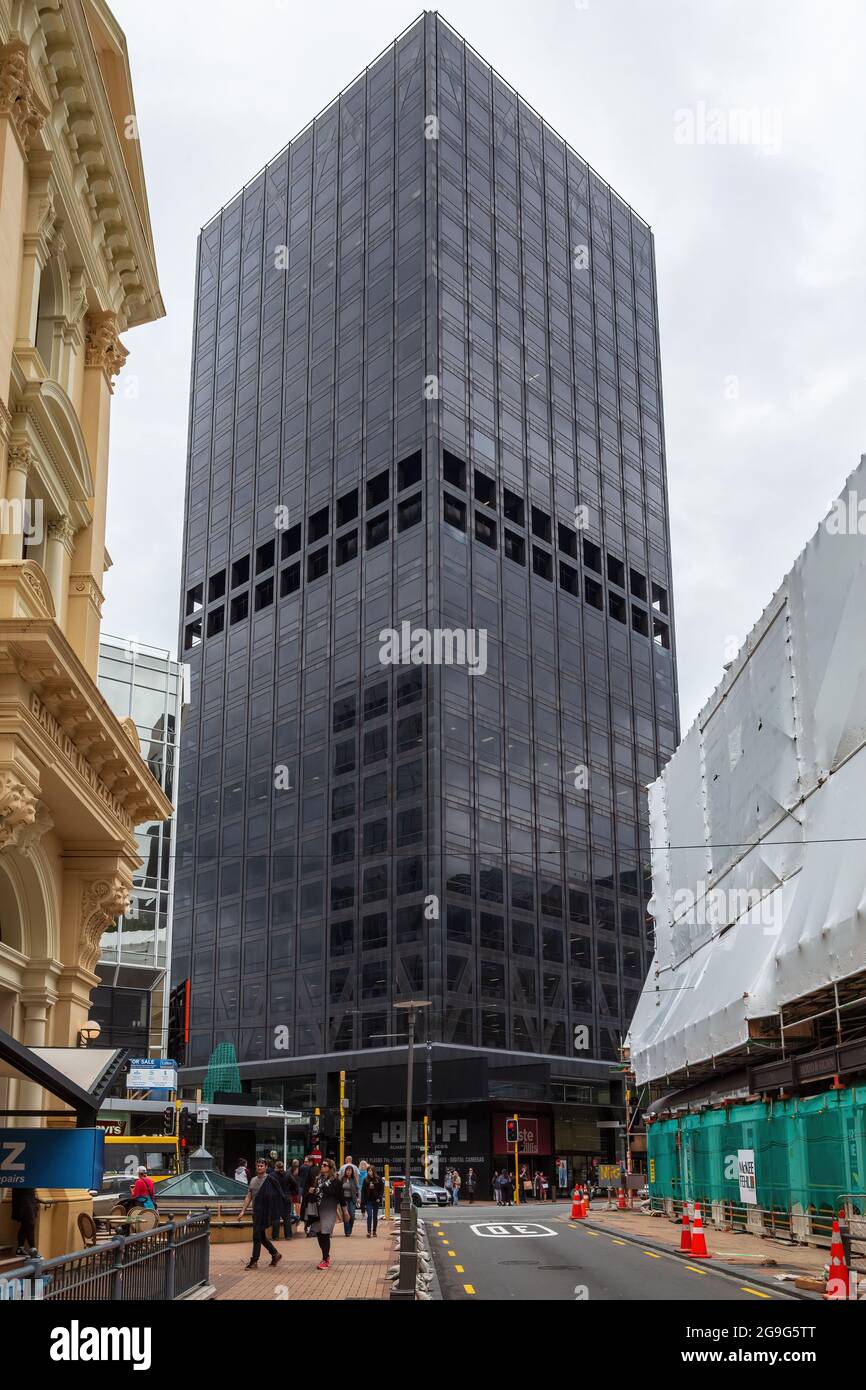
747, 1176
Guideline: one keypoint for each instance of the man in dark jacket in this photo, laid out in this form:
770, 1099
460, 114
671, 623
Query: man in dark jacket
289, 1189
266, 1198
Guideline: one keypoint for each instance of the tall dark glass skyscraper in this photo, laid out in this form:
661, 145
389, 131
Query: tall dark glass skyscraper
425, 391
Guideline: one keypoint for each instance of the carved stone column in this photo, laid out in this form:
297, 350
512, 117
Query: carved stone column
58, 558
17, 468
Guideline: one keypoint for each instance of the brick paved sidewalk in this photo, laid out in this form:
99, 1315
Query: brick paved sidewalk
358, 1269
770, 1257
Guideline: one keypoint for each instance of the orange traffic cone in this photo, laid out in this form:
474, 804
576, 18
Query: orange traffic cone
838, 1279
699, 1249
686, 1237
620, 1201
585, 1203
576, 1208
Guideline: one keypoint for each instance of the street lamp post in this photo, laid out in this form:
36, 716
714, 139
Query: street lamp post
408, 1223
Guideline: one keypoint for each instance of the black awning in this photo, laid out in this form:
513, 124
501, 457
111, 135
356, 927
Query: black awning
79, 1077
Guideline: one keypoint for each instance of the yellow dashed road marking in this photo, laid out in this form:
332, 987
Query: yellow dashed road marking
695, 1269
453, 1254
468, 1288
745, 1288
652, 1254
459, 1269
617, 1242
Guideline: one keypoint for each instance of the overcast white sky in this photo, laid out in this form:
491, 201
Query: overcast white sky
760, 251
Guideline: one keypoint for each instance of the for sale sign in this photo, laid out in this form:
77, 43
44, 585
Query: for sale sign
747, 1177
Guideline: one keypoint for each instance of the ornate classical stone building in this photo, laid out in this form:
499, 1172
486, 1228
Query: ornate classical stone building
77, 269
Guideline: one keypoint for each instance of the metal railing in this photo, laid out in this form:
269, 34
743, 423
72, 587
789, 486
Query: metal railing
162, 1264
778, 1222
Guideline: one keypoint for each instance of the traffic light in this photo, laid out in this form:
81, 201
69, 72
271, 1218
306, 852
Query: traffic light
168, 1120
184, 1126
511, 1131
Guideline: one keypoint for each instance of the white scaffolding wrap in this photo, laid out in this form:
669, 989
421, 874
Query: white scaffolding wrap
758, 822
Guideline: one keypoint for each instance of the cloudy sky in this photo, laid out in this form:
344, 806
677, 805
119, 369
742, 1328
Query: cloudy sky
735, 127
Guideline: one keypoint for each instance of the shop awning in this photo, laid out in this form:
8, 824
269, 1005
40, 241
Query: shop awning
79, 1077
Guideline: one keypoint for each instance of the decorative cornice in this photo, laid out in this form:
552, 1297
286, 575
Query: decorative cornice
87, 585
103, 901
18, 99
17, 809
103, 347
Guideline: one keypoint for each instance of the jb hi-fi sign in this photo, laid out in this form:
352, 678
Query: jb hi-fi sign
438, 1132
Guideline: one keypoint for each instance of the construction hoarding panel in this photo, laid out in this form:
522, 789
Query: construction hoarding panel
758, 822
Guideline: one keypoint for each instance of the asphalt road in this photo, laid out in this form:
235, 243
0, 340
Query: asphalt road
534, 1253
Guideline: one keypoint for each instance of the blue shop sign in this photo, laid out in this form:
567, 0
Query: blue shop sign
63, 1158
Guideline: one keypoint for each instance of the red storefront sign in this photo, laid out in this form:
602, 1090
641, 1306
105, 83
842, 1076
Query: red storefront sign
533, 1135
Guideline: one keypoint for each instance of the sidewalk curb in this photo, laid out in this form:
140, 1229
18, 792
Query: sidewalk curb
727, 1271
436, 1295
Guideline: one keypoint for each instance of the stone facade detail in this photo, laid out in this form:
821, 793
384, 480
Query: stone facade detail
103, 347
18, 100
17, 809
104, 900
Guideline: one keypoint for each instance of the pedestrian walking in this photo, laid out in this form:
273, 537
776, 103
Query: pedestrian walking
295, 1189
363, 1168
471, 1184
288, 1186
24, 1212
448, 1184
242, 1173
374, 1191
266, 1199
328, 1200
456, 1183
308, 1196
351, 1189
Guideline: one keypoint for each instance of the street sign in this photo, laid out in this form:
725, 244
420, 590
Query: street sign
63, 1158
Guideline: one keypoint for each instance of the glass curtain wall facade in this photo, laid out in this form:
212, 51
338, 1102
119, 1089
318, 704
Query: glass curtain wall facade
425, 390
146, 685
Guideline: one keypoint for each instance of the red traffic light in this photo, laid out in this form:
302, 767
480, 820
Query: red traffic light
511, 1131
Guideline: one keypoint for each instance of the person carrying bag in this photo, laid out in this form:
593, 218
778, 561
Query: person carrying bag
143, 1191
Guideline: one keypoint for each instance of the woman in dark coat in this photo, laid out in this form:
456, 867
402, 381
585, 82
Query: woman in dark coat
374, 1191
328, 1201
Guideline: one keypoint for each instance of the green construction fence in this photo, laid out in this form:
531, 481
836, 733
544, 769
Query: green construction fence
809, 1153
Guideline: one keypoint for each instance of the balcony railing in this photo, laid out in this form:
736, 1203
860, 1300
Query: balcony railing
162, 1264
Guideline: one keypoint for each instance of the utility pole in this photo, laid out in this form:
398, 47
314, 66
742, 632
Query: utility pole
408, 1217
342, 1118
